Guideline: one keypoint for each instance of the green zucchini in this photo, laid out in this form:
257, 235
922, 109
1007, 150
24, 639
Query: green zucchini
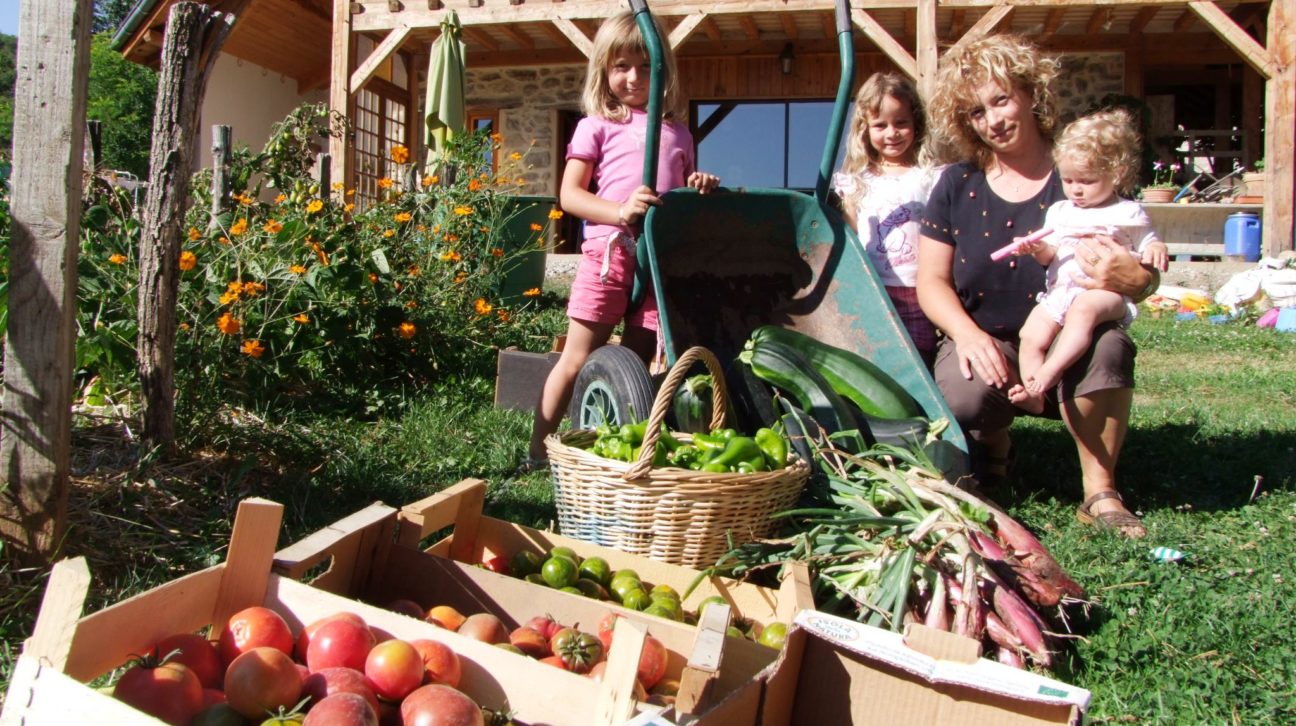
787, 369
850, 375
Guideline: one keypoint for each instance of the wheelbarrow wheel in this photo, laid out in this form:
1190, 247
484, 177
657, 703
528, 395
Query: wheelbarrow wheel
613, 387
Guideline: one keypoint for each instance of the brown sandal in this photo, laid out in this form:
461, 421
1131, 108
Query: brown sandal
1120, 522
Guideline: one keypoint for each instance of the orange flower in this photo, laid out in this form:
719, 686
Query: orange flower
117, 259
239, 227
473, 185
234, 286
194, 234
319, 253
463, 211
252, 289
555, 214
430, 179
301, 318
184, 326
228, 297
407, 330
373, 279
414, 271
520, 181
450, 256
349, 206
497, 137
482, 307
399, 154
503, 315
515, 156
272, 226
351, 192
224, 240
533, 292
403, 217
314, 206
297, 269
497, 252
411, 304
385, 183
253, 348
188, 260
536, 227
389, 233
338, 186
281, 198
228, 324
460, 277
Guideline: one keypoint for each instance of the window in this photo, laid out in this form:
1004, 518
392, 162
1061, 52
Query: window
487, 120
790, 135
381, 122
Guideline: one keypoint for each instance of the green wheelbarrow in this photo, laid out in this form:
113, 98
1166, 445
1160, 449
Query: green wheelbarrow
728, 262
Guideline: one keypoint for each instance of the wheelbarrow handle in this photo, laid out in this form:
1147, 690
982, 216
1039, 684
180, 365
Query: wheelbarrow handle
638, 6
656, 86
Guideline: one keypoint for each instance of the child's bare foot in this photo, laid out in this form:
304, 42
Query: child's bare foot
1022, 398
1044, 380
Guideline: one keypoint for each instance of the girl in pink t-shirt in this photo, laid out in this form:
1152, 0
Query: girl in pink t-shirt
608, 150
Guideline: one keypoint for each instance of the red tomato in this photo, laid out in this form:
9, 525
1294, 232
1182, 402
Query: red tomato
555, 661
329, 681
652, 659
213, 696
394, 668
437, 705
169, 692
196, 652
303, 640
340, 644
545, 625
440, 663
342, 709
499, 564
255, 627
262, 679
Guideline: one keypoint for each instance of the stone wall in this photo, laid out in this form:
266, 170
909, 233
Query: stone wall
528, 100
1085, 79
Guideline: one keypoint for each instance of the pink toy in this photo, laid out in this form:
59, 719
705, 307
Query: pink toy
1017, 245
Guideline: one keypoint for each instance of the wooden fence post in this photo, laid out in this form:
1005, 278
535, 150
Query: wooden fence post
324, 173
53, 67
222, 157
194, 36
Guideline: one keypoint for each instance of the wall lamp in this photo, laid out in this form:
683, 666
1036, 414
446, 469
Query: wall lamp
785, 59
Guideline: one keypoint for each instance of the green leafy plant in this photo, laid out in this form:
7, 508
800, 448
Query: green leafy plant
1163, 175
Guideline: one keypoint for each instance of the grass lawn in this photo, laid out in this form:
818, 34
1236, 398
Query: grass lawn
1210, 462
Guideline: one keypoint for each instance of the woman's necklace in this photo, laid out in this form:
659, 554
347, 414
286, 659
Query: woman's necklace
1015, 185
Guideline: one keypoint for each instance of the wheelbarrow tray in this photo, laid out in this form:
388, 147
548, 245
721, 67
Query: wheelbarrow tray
733, 260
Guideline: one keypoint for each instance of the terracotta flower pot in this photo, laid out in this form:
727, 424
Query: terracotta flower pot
1161, 195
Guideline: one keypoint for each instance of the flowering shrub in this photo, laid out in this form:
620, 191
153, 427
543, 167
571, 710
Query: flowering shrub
309, 296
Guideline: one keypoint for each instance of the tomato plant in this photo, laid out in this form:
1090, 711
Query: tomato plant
170, 692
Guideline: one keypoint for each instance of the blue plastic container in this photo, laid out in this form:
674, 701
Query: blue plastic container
1242, 236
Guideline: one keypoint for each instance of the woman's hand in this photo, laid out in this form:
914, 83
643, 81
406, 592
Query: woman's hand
634, 208
979, 354
1109, 266
703, 182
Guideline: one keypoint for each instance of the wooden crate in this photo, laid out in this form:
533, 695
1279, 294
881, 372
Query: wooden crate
477, 538
362, 563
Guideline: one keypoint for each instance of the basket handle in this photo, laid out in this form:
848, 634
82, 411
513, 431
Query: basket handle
666, 395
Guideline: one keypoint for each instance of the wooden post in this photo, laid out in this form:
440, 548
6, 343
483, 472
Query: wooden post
194, 36
1280, 129
95, 129
222, 157
323, 173
52, 70
340, 90
926, 51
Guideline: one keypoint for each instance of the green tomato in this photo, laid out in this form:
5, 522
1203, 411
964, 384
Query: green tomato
773, 636
558, 572
664, 591
567, 552
636, 599
525, 562
596, 569
661, 609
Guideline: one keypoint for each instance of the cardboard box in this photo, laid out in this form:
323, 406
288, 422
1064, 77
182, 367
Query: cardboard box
476, 538
358, 559
839, 671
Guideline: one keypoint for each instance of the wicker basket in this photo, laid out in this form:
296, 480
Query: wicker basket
670, 514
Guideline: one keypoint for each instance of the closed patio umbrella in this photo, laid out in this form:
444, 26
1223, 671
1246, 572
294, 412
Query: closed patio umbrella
444, 106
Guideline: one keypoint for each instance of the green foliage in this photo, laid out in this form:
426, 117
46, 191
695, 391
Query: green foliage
8, 74
309, 300
121, 94
109, 14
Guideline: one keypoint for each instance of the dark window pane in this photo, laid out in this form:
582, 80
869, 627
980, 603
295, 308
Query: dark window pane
809, 127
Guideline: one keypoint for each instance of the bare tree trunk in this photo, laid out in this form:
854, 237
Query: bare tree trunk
52, 70
194, 36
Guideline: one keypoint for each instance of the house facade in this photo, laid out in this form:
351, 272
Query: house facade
1213, 79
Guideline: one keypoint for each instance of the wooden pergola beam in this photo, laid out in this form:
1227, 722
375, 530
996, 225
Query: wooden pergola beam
1053, 21
789, 26
907, 64
685, 28
925, 47
1100, 19
574, 34
1217, 20
984, 25
523, 40
828, 25
475, 36
749, 27
710, 28
381, 53
1141, 19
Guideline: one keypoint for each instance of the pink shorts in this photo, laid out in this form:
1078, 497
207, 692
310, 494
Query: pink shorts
601, 291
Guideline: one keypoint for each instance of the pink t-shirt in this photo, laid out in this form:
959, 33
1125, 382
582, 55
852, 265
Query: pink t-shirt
617, 151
